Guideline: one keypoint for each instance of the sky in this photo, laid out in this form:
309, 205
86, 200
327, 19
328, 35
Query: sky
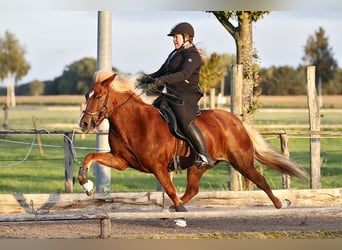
57, 38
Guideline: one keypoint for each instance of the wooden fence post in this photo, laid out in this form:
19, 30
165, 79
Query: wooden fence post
105, 225
315, 120
82, 106
236, 109
5, 125
69, 162
38, 138
284, 141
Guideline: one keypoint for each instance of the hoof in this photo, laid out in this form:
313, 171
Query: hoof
90, 193
89, 188
180, 208
285, 203
180, 222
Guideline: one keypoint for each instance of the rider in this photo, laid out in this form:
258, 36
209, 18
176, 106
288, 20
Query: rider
179, 76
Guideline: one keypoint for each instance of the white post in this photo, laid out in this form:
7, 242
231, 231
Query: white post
104, 61
212, 98
236, 109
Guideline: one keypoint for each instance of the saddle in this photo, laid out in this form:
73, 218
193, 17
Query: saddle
181, 160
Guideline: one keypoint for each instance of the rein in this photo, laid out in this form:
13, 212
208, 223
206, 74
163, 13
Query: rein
121, 104
98, 121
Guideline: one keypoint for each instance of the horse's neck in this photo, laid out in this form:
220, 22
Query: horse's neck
130, 111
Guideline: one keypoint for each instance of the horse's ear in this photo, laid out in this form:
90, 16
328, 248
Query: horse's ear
109, 80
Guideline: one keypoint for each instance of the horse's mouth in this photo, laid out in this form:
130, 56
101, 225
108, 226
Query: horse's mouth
86, 127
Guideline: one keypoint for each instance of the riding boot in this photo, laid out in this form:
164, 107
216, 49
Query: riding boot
194, 134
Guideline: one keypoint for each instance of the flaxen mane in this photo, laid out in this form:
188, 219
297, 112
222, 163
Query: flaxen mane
121, 83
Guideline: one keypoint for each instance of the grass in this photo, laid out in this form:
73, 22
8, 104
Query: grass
21, 117
47, 100
331, 170
295, 117
298, 102
45, 174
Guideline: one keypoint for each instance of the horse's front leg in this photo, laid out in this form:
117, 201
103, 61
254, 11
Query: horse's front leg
104, 158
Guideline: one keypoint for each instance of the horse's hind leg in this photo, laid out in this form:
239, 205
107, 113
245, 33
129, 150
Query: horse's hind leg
245, 165
193, 181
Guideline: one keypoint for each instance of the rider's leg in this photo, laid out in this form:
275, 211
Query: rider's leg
195, 136
185, 115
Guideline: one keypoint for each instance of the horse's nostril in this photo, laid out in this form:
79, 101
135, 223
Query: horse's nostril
84, 124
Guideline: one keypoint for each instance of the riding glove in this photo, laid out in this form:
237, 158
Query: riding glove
156, 85
146, 79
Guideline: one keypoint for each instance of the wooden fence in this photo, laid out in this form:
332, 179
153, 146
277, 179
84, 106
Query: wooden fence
237, 108
43, 207
283, 136
151, 205
106, 218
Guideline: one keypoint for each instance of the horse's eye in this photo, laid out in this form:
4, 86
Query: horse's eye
98, 97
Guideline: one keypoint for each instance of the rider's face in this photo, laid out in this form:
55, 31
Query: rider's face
178, 40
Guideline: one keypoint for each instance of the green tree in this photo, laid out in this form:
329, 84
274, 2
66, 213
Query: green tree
13, 64
76, 77
283, 80
242, 34
334, 86
319, 53
35, 88
228, 60
212, 70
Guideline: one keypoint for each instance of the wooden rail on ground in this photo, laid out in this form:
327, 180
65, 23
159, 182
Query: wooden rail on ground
105, 218
151, 205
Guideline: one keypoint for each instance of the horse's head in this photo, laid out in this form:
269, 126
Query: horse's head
108, 92
96, 109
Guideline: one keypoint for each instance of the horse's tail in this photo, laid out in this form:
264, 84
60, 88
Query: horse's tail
264, 154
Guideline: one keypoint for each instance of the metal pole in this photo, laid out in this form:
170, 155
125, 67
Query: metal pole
104, 61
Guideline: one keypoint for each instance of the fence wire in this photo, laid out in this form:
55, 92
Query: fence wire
74, 148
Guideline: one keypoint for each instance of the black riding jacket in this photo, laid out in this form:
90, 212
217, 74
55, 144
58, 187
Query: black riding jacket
180, 71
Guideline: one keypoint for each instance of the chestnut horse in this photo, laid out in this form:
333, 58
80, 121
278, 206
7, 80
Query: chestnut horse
140, 138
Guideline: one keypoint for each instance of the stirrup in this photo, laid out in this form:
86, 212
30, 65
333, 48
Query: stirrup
204, 162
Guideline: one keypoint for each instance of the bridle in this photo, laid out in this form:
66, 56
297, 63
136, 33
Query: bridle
101, 117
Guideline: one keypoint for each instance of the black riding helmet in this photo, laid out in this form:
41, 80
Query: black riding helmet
183, 29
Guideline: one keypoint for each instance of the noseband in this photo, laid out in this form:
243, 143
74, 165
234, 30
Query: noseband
98, 121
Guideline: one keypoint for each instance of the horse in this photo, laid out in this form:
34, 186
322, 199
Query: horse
140, 138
